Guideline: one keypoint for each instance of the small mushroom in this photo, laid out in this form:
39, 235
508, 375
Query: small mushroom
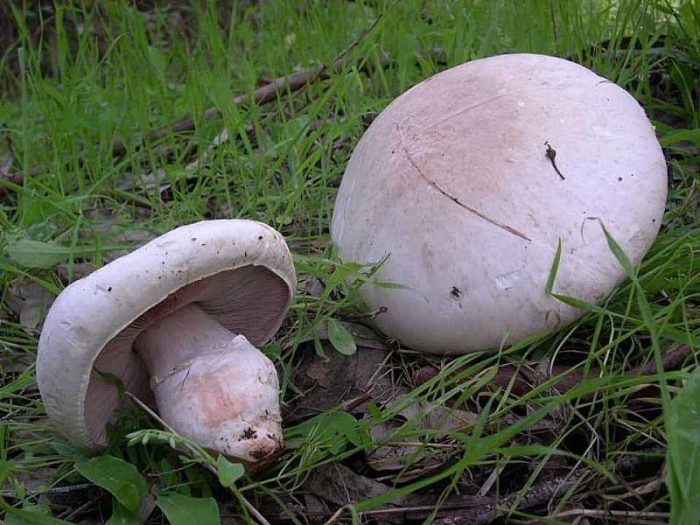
469, 181
180, 317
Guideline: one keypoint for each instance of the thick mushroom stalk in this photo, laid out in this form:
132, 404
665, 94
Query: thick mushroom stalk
211, 385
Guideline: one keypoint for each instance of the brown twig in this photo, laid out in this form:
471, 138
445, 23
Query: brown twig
618, 514
60, 490
522, 379
538, 494
73, 513
481, 510
270, 91
477, 510
262, 95
631, 461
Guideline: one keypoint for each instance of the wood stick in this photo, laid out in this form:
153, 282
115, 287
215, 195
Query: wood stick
524, 379
538, 494
264, 94
269, 91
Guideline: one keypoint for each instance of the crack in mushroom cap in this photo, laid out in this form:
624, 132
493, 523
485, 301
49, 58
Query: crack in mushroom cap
453, 183
238, 271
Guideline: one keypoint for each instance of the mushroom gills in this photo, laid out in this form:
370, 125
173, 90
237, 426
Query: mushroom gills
212, 385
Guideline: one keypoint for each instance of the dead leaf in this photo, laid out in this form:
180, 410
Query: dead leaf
327, 382
415, 450
338, 484
363, 335
310, 286
137, 237
114, 230
79, 270
423, 375
29, 302
36, 481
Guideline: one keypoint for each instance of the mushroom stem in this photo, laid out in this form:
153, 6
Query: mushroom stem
211, 385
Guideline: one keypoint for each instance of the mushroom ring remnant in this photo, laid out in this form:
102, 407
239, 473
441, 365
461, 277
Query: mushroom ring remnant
469, 181
182, 315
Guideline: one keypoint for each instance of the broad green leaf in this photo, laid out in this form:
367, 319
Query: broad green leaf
65, 448
27, 517
37, 254
374, 412
185, 510
29, 253
122, 516
118, 477
683, 453
330, 430
341, 338
319, 347
341, 274
228, 472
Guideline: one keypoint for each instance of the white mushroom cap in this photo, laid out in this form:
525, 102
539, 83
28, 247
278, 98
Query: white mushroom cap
452, 181
240, 272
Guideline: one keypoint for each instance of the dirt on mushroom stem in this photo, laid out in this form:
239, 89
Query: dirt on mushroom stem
211, 385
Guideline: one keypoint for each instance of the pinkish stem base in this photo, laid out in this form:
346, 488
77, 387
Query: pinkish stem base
211, 385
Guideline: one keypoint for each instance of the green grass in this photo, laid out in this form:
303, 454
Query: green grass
77, 77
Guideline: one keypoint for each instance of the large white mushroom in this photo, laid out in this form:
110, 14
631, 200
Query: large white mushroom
469, 180
182, 314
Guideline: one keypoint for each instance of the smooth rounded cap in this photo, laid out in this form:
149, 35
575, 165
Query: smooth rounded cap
238, 271
453, 182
